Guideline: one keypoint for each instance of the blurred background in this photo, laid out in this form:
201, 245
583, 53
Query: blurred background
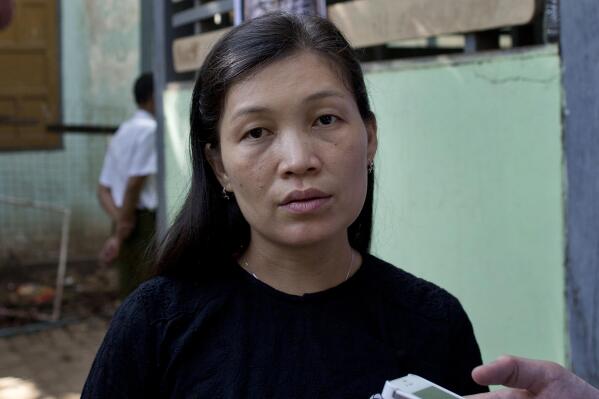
488, 115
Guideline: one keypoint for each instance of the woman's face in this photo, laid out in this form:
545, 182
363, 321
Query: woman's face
294, 150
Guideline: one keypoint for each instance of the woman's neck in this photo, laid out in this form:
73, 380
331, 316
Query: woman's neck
301, 270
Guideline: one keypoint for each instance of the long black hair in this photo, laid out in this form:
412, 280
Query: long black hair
210, 229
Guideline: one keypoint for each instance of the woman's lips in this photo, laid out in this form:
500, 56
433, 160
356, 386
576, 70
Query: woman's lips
305, 201
306, 205
304, 195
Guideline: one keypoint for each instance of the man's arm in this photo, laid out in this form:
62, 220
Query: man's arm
126, 215
107, 203
110, 249
531, 379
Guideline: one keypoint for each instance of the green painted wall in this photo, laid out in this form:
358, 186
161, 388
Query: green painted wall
99, 47
176, 142
469, 187
469, 191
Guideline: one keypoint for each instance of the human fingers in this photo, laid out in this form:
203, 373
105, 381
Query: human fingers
110, 251
103, 258
502, 394
494, 373
111, 256
517, 372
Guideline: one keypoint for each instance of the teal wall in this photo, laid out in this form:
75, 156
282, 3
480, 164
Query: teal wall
469, 190
469, 187
176, 142
99, 45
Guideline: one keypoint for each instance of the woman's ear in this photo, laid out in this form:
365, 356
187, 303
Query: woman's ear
371, 129
214, 158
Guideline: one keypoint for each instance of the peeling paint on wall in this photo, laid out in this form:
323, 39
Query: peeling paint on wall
99, 62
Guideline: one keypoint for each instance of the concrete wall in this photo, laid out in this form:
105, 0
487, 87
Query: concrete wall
177, 98
99, 61
469, 191
469, 187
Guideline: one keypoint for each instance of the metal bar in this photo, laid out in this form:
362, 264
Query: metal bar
321, 7
146, 43
82, 129
16, 121
32, 204
201, 12
237, 12
551, 21
161, 52
481, 41
580, 57
62, 266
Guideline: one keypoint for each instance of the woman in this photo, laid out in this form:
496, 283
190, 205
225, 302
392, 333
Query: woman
265, 287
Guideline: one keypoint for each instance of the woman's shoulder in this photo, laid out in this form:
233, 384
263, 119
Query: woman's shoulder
413, 294
165, 297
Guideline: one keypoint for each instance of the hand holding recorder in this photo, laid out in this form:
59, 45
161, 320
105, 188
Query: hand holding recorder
526, 379
531, 379
414, 387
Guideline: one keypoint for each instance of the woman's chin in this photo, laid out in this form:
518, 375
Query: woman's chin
309, 236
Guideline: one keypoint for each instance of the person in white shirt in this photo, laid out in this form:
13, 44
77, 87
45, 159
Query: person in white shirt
127, 189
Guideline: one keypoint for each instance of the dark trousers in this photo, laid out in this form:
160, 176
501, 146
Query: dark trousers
133, 263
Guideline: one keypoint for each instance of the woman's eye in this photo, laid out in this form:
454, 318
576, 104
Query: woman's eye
326, 120
255, 133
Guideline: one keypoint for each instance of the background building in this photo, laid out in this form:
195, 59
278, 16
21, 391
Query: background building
486, 171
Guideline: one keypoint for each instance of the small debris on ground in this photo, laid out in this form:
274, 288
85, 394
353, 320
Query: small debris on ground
27, 292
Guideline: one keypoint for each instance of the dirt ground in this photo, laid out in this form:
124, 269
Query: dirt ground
29, 290
51, 361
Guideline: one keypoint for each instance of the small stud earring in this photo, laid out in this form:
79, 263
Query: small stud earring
370, 166
225, 195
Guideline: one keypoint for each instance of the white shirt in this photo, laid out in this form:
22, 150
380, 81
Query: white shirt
132, 152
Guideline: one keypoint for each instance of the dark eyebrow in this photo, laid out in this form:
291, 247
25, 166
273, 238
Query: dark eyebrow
312, 97
249, 110
324, 94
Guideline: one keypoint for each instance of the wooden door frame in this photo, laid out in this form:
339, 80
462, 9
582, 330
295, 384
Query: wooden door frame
57, 104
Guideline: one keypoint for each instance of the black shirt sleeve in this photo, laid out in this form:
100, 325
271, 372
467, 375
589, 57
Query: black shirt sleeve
464, 354
124, 366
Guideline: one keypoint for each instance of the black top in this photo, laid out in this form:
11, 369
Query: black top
233, 336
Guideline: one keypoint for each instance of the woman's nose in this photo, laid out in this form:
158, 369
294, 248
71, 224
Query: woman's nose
298, 154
